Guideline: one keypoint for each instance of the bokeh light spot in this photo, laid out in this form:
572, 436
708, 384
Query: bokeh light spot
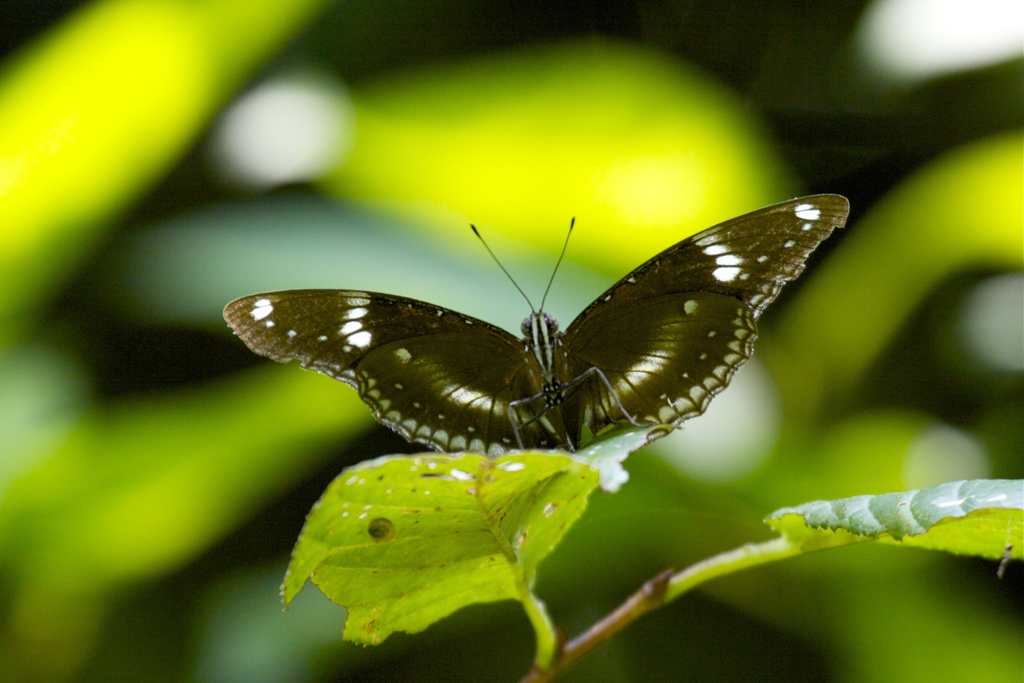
915, 39
290, 129
992, 322
943, 453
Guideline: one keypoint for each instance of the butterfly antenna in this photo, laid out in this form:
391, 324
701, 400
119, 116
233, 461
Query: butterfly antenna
503, 269
558, 262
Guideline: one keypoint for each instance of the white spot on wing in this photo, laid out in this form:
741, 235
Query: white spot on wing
715, 250
649, 364
728, 260
361, 339
725, 274
807, 212
261, 309
354, 313
690, 307
350, 327
465, 396
666, 414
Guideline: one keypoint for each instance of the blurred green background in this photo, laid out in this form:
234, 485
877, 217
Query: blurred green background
161, 157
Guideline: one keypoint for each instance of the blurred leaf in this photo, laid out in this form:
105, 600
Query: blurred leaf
247, 638
142, 487
404, 541
862, 453
627, 140
184, 270
962, 211
42, 396
94, 113
982, 517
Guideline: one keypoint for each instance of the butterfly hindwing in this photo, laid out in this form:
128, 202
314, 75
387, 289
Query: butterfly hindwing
665, 357
433, 375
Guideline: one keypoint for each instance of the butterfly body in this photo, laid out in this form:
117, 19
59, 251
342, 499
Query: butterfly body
654, 348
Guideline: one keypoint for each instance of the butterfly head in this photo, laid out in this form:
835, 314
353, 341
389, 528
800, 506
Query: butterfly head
539, 326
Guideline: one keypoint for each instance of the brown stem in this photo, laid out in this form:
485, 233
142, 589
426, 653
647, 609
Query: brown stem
650, 596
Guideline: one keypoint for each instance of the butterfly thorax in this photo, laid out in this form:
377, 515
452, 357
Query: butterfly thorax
544, 341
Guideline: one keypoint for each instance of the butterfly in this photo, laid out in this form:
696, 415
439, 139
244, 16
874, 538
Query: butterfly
653, 349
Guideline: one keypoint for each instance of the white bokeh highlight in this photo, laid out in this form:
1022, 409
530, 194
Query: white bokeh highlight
942, 453
294, 128
734, 436
912, 40
991, 325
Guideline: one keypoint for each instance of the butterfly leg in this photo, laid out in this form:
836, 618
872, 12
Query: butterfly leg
559, 438
564, 392
594, 370
512, 407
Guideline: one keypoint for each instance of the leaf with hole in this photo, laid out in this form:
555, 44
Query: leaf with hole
404, 541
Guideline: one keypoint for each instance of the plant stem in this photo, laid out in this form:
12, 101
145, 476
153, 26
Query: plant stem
544, 630
737, 559
650, 595
654, 593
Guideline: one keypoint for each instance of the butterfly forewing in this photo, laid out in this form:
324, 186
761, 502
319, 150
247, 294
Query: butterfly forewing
750, 257
433, 375
670, 335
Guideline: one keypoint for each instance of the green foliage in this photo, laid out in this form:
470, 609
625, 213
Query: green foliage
144, 466
402, 541
984, 518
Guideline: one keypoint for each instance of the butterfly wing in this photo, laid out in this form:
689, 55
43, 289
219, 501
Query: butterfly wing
664, 357
433, 375
671, 334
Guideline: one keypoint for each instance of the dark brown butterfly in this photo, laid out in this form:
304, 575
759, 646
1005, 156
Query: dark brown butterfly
654, 348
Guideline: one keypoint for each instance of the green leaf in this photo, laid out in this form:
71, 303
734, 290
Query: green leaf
608, 449
403, 541
981, 517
